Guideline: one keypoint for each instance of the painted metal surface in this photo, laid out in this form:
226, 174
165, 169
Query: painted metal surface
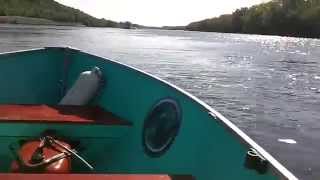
207, 146
61, 114
30, 77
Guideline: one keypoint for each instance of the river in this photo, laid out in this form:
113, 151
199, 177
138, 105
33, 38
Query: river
269, 86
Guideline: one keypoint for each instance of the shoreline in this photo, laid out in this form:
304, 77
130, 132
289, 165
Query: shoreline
21, 20
35, 21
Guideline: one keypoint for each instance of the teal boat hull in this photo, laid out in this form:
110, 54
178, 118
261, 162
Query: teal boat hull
207, 145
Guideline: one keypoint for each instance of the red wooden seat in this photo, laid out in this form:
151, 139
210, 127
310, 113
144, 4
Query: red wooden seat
90, 177
58, 114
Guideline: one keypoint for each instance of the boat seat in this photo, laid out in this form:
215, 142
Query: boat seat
59, 114
13, 176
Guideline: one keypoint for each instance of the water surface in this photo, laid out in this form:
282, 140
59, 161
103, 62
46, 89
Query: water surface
269, 86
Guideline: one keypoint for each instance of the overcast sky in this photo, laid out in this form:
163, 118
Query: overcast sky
158, 12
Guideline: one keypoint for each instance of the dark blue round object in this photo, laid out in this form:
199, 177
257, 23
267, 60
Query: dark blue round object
161, 127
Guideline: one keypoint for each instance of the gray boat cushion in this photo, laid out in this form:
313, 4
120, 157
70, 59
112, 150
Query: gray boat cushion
84, 89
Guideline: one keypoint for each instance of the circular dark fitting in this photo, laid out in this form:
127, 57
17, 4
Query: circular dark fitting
161, 127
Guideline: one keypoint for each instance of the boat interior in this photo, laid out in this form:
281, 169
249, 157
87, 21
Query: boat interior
104, 118
34, 104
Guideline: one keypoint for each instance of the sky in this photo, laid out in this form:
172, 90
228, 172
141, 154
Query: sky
158, 12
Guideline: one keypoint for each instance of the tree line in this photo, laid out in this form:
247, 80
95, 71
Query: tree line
49, 9
299, 18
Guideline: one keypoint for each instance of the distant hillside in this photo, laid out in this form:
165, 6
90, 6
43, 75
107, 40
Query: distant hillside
51, 10
277, 17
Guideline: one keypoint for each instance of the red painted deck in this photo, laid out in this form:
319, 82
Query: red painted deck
81, 177
58, 114
90, 177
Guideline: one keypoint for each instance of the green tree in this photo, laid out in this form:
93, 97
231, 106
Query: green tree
277, 17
